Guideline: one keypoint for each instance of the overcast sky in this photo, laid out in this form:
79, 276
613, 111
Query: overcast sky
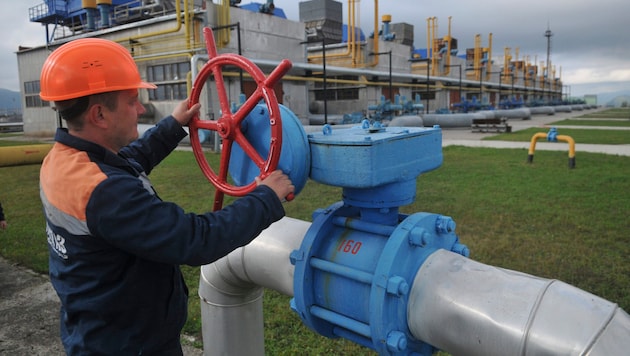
590, 43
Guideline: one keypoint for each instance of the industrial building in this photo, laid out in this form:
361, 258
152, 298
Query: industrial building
339, 71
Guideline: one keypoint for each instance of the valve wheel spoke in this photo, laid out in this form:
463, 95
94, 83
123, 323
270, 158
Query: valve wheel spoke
228, 126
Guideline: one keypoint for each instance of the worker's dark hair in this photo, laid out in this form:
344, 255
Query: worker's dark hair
72, 110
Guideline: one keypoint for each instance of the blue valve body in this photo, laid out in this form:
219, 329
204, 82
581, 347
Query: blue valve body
352, 277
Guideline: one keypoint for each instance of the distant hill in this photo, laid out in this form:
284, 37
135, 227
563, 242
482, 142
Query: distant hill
10, 101
613, 98
619, 101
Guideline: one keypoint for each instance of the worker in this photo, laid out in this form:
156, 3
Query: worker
3, 220
115, 246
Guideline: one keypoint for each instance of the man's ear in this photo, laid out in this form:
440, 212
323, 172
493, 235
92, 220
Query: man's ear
95, 115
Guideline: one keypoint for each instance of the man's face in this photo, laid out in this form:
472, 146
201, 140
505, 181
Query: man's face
124, 120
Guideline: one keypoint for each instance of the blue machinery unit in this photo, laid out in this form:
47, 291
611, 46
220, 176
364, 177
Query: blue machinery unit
398, 284
357, 261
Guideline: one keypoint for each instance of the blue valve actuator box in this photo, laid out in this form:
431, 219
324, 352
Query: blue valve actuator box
360, 157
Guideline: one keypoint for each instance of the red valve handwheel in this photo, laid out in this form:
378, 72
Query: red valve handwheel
228, 126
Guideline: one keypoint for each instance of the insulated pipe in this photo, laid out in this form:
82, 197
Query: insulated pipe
406, 120
231, 289
520, 113
451, 120
456, 304
467, 308
542, 110
23, 155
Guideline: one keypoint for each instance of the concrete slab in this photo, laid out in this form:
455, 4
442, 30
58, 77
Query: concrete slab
465, 137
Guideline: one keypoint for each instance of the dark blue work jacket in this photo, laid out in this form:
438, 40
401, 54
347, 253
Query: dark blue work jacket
115, 246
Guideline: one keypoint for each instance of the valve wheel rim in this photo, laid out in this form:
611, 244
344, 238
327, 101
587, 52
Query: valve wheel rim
228, 126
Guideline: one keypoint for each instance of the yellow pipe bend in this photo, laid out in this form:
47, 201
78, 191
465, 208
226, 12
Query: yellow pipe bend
532, 143
570, 141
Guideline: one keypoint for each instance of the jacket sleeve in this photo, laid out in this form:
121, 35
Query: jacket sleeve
156, 143
140, 223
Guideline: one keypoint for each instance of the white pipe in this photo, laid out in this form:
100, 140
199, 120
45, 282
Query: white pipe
467, 308
231, 289
456, 304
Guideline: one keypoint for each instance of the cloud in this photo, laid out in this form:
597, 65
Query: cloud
589, 43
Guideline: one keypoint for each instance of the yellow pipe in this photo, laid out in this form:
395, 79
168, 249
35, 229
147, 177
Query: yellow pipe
350, 46
434, 57
223, 19
570, 141
162, 32
565, 138
489, 61
375, 40
532, 143
22, 155
477, 56
88, 4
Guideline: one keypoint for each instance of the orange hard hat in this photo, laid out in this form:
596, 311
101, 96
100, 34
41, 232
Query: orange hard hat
88, 66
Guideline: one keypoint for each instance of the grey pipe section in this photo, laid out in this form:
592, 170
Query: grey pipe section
451, 120
406, 120
468, 308
563, 108
231, 289
456, 304
542, 110
520, 113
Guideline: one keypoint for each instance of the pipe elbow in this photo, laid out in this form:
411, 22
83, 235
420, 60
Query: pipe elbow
220, 284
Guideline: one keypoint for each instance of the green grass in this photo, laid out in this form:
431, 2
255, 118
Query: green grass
611, 113
540, 218
8, 143
601, 122
621, 118
595, 136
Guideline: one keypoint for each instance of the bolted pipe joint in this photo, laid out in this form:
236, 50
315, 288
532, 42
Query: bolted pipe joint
352, 275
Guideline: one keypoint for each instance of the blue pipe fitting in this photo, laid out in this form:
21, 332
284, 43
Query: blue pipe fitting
353, 277
552, 135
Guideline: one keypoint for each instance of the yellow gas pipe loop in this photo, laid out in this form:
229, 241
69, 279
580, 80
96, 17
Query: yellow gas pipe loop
565, 138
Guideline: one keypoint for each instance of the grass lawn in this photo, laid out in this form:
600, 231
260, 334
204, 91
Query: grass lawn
540, 218
596, 136
610, 113
589, 122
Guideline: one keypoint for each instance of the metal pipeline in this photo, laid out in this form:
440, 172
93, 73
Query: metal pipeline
468, 308
231, 289
456, 304
451, 120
